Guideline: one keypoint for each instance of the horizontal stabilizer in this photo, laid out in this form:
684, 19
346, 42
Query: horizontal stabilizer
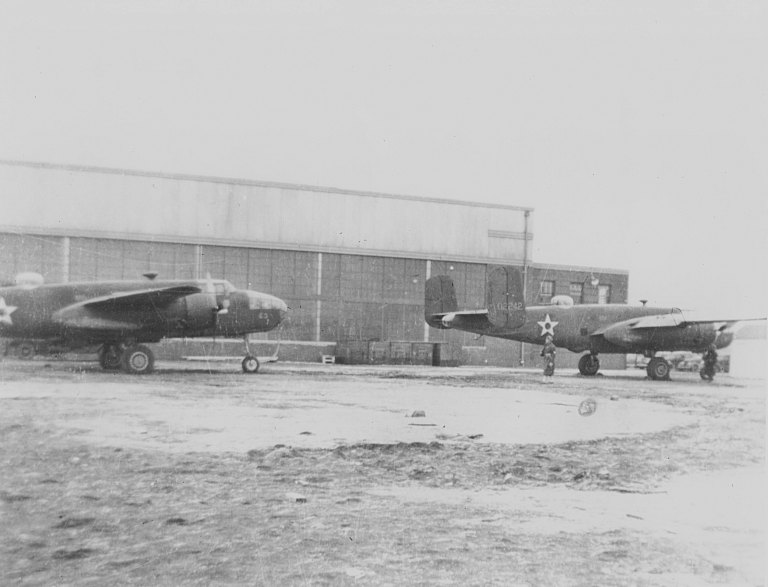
439, 300
469, 320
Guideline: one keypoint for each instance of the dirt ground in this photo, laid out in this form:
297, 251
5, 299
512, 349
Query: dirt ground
329, 475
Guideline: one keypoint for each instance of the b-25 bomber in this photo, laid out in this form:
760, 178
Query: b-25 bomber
596, 328
120, 317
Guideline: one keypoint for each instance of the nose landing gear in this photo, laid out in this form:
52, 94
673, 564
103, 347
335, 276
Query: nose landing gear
250, 363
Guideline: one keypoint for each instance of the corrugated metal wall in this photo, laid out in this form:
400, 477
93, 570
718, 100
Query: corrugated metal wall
333, 297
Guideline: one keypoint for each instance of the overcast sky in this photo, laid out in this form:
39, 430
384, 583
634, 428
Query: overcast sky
638, 131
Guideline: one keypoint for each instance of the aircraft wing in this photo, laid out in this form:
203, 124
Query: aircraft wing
106, 312
685, 318
676, 319
659, 321
134, 300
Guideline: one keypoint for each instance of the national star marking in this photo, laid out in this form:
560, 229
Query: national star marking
547, 326
5, 312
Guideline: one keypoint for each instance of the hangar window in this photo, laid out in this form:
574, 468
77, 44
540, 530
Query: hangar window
576, 291
604, 294
546, 291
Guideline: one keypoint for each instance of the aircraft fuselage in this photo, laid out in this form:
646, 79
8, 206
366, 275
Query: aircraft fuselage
574, 327
60, 312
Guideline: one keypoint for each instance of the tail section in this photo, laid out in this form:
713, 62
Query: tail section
439, 299
505, 298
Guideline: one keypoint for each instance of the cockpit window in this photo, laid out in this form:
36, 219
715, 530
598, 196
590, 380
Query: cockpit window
220, 286
254, 300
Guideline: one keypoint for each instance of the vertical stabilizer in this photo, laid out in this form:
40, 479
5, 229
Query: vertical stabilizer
439, 299
506, 303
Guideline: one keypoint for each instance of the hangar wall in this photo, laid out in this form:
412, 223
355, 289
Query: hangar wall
81, 224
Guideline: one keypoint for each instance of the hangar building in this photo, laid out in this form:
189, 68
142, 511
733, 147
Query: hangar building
350, 264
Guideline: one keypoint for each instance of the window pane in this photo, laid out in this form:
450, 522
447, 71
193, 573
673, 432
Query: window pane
576, 291
604, 294
546, 291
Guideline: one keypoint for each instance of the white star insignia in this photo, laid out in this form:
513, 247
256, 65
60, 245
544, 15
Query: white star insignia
547, 326
5, 312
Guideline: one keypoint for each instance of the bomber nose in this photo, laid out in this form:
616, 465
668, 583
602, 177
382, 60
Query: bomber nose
282, 308
275, 303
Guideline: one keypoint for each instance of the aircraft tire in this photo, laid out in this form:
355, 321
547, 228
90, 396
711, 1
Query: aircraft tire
27, 350
589, 365
138, 360
109, 357
250, 364
658, 369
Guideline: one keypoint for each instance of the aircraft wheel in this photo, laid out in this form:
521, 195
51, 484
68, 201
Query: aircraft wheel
138, 360
250, 364
589, 365
658, 368
110, 358
27, 350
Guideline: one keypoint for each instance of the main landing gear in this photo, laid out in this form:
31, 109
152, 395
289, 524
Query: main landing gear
658, 368
139, 359
589, 365
136, 359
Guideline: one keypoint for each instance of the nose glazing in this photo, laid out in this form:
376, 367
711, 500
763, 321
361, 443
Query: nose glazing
281, 307
268, 302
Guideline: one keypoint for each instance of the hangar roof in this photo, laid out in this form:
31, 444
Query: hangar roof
254, 182
74, 200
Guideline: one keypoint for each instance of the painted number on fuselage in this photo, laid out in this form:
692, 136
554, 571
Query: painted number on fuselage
503, 307
264, 316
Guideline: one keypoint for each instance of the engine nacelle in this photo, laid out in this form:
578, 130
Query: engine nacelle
195, 312
623, 335
692, 337
724, 338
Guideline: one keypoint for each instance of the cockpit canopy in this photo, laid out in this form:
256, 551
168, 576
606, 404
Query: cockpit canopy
563, 301
219, 286
29, 279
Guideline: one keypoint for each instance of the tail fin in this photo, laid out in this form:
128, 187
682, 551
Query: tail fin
505, 298
439, 299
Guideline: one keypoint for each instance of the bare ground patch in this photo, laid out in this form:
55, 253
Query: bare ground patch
74, 512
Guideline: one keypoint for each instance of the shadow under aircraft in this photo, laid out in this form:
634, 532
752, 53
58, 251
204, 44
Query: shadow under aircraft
120, 316
596, 328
